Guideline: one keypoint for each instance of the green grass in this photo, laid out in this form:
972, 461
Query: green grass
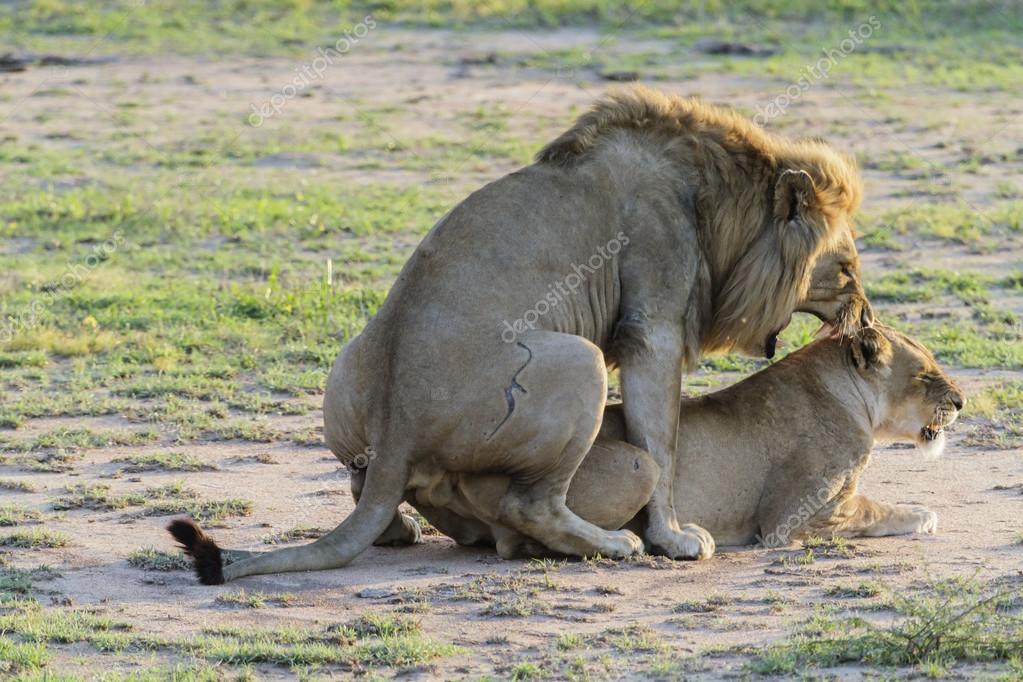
954, 622
919, 285
18, 657
374, 641
81, 439
13, 514
14, 584
96, 496
382, 640
165, 461
861, 590
254, 600
169, 499
999, 408
953, 223
294, 534
282, 25
16, 486
203, 511
35, 538
152, 559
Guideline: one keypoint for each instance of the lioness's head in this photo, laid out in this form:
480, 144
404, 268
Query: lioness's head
917, 399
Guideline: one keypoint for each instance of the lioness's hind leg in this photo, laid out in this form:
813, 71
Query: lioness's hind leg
513, 545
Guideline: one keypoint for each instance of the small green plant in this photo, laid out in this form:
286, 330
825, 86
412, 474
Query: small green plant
834, 547
151, 559
293, 534
167, 461
13, 515
526, 671
203, 511
17, 657
954, 621
251, 600
569, 640
95, 496
862, 590
35, 538
16, 486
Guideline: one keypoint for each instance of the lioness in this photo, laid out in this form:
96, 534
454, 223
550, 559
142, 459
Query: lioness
656, 229
775, 457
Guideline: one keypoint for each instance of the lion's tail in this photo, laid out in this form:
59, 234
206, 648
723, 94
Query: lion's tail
383, 492
205, 553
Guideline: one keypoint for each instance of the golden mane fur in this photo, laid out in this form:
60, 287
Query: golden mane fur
737, 164
723, 133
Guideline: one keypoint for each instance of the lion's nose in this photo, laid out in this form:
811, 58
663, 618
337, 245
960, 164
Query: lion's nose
957, 400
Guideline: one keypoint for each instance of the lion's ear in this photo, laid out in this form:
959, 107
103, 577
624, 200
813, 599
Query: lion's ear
870, 348
794, 196
798, 216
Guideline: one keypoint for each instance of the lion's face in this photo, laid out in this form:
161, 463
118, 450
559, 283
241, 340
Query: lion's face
920, 399
819, 262
836, 294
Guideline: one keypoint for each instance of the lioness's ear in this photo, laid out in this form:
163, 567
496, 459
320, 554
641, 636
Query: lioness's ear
870, 348
867, 318
794, 195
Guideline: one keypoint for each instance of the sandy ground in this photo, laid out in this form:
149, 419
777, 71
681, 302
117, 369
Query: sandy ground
430, 77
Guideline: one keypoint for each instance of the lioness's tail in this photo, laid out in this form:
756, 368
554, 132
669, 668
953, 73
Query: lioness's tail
205, 553
383, 492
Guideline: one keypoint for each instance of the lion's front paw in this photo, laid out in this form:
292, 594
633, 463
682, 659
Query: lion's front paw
690, 542
928, 521
620, 544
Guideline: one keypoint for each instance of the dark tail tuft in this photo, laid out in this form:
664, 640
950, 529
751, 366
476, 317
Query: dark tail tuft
205, 554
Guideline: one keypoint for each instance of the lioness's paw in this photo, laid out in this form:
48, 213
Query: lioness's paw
691, 542
928, 520
621, 543
404, 530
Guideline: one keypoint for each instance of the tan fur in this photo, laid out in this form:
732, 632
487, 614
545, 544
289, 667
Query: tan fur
777, 457
708, 234
737, 163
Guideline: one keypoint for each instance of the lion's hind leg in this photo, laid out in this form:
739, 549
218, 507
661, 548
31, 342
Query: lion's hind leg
403, 529
543, 440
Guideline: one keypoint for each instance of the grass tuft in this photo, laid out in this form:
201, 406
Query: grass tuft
35, 538
166, 461
151, 559
955, 621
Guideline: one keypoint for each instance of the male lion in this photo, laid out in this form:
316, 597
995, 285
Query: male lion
656, 229
745, 473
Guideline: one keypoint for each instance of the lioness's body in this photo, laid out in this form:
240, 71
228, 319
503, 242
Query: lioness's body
778, 456
773, 458
700, 233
